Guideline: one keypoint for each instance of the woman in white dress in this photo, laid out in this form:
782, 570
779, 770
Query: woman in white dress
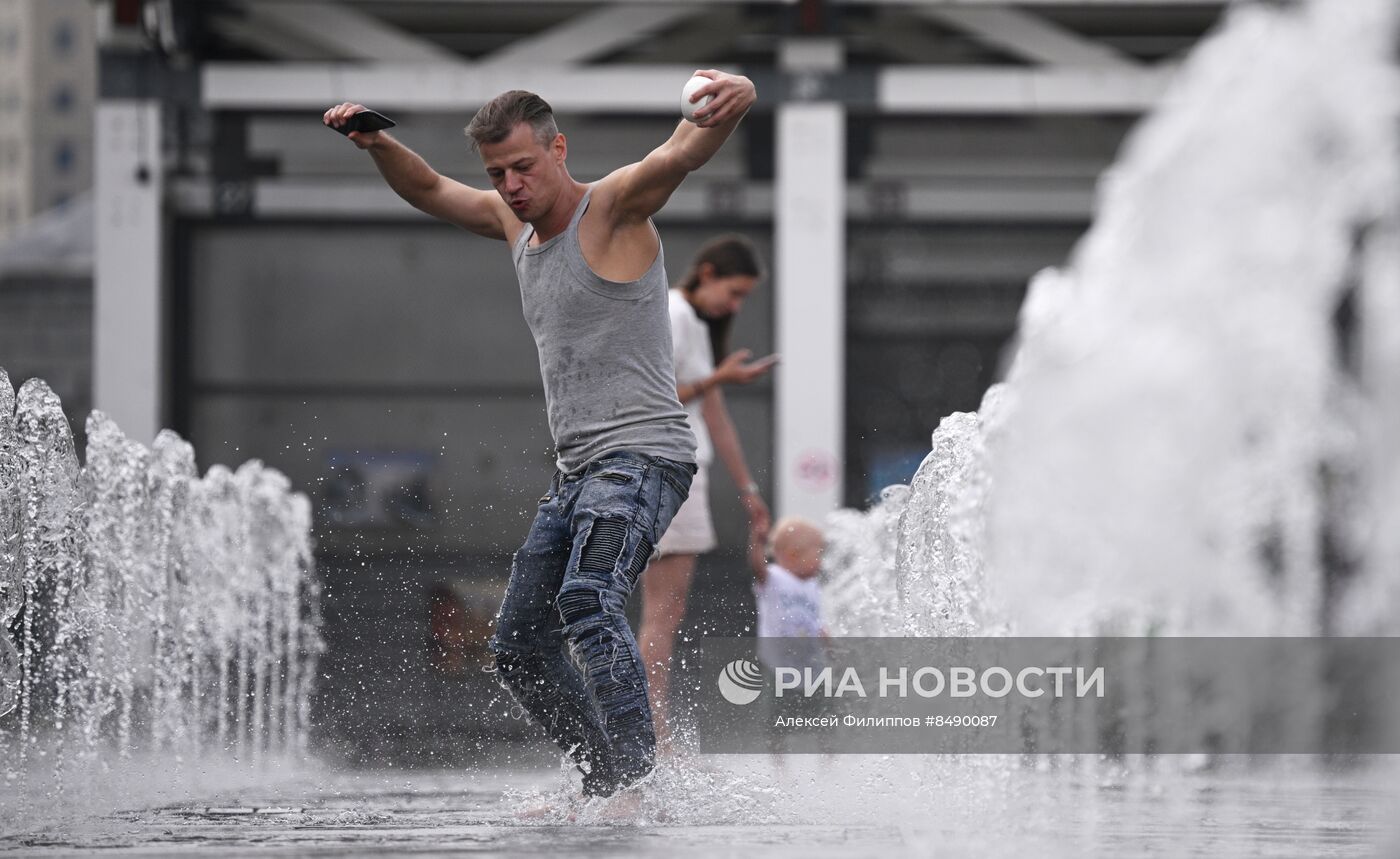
725, 271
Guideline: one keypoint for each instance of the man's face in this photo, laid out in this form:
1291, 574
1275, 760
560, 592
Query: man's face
524, 172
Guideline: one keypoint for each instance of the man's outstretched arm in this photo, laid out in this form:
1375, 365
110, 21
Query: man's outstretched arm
638, 191
412, 178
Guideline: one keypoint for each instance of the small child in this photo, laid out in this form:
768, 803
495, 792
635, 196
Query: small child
788, 596
790, 630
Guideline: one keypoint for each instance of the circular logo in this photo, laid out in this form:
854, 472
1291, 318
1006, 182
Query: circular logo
740, 682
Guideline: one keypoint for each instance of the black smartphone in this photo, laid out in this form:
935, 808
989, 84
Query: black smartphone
366, 120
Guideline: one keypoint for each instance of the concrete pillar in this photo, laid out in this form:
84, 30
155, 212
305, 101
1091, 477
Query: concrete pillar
128, 373
810, 266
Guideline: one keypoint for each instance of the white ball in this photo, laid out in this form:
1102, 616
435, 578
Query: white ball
688, 109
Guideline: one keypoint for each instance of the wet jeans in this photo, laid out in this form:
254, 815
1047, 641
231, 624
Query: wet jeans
562, 644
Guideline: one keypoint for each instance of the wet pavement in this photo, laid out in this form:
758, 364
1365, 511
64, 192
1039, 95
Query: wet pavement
812, 806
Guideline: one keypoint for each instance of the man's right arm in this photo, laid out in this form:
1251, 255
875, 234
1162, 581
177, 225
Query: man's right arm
412, 178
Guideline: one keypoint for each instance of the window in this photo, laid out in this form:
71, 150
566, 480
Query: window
63, 156
63, 38
62, 98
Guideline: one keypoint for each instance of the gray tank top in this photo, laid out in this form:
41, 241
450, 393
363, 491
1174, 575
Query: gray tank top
605, 352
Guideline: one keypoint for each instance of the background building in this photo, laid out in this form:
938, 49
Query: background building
48, 79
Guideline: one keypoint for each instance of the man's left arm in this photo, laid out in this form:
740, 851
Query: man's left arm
638, 191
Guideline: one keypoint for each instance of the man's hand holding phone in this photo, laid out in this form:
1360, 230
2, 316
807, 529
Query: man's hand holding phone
357, 122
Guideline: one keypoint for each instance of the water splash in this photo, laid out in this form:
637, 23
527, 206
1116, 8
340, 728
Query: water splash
1184, 442
1180, 394
159, 613
50, 543
11, 573
941, 532
860, 559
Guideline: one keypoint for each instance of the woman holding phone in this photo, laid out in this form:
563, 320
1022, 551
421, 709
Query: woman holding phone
725, 271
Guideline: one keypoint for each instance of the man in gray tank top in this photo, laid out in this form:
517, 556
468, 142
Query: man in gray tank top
593, 289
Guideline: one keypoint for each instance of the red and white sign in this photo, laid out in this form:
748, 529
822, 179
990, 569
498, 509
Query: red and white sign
815, 470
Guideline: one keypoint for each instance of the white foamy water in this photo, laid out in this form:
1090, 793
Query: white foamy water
1184, 442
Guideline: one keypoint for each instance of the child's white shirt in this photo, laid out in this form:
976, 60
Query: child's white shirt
788, 607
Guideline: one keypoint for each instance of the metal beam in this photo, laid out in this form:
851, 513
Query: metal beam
899, 36
591, 34
979, 90
702, 40
347, 33
1026, 36
656, 88
991, 199
440, 87
267, 39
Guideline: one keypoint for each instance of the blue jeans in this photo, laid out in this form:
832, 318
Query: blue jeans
562, 645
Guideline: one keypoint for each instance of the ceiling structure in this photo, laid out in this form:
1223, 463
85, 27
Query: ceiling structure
694, 31
920, 56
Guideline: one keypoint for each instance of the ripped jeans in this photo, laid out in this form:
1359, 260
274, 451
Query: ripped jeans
562, 645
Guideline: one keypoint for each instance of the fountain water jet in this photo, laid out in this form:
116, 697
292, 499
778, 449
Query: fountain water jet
1186, 442
159, 613
1182, 443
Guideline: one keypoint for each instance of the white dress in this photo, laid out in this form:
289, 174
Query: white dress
692, 531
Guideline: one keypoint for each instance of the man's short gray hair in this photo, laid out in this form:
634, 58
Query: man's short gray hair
499, 117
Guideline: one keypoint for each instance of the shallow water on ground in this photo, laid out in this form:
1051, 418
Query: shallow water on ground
812, 806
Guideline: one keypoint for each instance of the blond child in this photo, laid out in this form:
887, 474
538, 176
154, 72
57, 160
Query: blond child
785, 565
785, 588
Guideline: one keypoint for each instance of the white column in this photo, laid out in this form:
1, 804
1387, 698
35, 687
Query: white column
128, 371
810, 265
1373, 608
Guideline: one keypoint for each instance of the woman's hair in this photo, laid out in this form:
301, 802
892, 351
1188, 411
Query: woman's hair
729, 255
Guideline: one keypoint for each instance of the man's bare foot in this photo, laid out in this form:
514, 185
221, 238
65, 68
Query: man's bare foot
546, 809
536, 812
621, 808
